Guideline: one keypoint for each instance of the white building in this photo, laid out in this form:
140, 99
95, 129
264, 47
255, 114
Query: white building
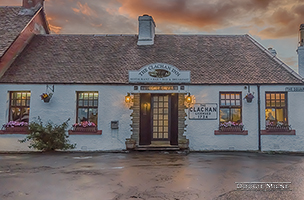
149, 91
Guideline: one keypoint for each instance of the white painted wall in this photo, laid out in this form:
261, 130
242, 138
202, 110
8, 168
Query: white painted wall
201, 132
112, 107
63, 106
295, 119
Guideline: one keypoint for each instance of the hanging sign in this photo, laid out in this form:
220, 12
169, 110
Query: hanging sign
159, 73
203, 111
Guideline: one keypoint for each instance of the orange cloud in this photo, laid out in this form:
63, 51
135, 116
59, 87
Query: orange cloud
84, 9
272, 18
55, 29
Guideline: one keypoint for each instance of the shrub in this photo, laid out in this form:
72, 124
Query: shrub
50, 137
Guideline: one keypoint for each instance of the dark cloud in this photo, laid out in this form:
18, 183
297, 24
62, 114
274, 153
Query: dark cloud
265, 18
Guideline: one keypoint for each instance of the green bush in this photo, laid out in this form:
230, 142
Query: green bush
50, 137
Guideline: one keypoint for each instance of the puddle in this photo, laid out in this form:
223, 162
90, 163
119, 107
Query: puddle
118, 167
82, 157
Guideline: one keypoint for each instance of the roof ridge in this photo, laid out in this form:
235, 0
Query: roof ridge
275, 58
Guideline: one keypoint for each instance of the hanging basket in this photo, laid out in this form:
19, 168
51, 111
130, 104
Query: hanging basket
249, 97
46, 97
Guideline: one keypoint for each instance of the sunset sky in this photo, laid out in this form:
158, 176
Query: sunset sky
273, 23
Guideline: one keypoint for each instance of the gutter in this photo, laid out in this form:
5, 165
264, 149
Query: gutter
259, 117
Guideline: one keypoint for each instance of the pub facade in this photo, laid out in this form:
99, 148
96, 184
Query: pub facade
152, 92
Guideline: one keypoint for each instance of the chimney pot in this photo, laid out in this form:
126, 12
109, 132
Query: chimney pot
272, 51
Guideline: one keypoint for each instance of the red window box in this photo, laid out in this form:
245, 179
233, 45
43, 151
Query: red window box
16, 130
90, 130
231, 130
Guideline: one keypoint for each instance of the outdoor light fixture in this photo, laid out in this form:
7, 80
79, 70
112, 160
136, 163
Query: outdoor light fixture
188, 98
128, 98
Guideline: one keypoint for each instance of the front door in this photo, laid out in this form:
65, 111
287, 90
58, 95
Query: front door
158, 118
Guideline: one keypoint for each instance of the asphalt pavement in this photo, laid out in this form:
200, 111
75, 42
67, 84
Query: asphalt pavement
151, 176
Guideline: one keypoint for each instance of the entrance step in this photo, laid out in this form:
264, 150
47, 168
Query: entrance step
157, 148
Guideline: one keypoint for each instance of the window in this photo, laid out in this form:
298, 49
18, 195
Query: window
87, 106
230, 107
276, 108
19, 106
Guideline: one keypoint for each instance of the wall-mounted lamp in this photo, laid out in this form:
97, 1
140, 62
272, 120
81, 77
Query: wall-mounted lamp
128, 98
188, 98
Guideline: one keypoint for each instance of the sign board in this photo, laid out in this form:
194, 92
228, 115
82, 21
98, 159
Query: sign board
294, 89
159, 73
203, 111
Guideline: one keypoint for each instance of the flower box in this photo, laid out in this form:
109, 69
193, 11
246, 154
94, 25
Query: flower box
277, 129
89, 130
16, 130
232, 129
85, 129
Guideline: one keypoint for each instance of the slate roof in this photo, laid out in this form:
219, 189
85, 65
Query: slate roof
11, 24
93, 59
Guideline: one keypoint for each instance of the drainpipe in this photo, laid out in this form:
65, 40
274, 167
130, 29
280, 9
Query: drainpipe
259, 116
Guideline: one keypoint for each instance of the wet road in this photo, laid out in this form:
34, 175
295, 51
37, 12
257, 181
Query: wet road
147, 176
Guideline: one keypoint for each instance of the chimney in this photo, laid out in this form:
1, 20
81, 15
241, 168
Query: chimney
29, 4
272, 51
29, 7
146, 30
301, 51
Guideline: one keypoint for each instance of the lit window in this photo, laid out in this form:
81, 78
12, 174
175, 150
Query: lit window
19, 106
87, 107
276, 108
230, 107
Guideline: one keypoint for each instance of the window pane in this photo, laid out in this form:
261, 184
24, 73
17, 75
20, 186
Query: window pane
25, 115
283, 103
93, 115
228, 102
224, 114
282, 96
80, 95
222, 96
272, 96
272, 102
280, 115
236, 115
85, 102
238, 102
82, 115
267, 103
237, 96
278, 96
278, 103
223, 102
270, 116
227, 96
233, 102
267, 96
